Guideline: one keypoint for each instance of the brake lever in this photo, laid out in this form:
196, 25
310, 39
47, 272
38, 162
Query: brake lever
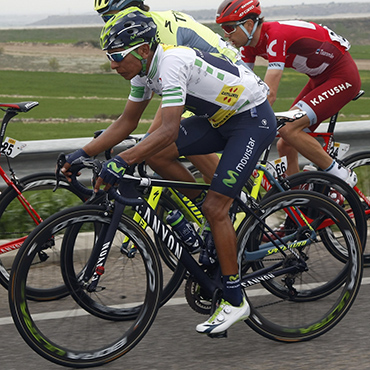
61, 160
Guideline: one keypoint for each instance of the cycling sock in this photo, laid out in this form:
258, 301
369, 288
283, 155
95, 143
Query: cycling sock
337, 170
232, 289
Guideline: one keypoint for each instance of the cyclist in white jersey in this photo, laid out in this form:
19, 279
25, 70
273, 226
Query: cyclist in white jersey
177, 28
231, 113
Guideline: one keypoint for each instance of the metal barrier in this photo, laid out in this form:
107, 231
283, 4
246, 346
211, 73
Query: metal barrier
41, 155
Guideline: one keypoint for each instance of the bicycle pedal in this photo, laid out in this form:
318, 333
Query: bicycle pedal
223, 334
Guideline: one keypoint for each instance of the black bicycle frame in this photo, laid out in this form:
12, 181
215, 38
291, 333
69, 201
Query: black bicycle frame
175, 245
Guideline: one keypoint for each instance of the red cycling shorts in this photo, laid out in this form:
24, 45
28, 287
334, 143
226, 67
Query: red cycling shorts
327, 93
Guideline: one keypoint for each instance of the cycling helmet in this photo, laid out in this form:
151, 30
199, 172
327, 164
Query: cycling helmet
237, 10
105, 6
130, 28
127, 29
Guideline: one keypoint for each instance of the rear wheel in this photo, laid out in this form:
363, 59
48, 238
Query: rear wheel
304, 304
360, 163
327, 184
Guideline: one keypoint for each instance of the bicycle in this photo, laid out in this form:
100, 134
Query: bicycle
320, 182
308, 289
27, 201
269, 176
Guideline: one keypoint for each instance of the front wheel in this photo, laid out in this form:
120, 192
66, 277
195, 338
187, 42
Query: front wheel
360, 163
304, 304
86, 328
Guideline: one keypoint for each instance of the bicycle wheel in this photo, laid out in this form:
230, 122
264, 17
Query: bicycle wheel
360, 163
78, 330
325, 183
300, 306
16, 223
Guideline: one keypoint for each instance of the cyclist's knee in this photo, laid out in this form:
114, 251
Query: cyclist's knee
216, 207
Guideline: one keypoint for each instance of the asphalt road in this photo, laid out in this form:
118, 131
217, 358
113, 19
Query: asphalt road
173, 344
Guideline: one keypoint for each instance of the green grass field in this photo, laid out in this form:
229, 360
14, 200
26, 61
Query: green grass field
102, 96
93, 97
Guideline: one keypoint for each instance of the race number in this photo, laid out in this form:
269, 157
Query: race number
277, 167
338, 38
11, 148
338, 150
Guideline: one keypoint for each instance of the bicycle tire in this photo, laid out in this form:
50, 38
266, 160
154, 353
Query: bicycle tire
15, 223
74, 335
360, 163
323, 183
300, 307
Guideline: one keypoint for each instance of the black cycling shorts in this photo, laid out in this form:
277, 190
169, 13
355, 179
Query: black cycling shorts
242, 139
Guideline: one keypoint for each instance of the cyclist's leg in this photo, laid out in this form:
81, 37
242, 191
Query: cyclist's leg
244, 137
322, 97
206, 164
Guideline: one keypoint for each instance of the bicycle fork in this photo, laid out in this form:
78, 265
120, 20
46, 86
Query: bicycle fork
95, 266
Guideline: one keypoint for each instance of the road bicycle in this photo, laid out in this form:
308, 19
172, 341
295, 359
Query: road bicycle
112, 303
318, 181
268, 176
25, 202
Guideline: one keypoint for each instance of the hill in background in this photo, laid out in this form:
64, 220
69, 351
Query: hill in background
332, 10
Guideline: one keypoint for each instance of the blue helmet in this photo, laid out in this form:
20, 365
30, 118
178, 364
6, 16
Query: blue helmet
106, 6
128, 28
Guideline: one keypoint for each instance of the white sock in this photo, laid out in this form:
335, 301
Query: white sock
337, 170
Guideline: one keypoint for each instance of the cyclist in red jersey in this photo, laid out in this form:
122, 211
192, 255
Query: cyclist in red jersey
308, 48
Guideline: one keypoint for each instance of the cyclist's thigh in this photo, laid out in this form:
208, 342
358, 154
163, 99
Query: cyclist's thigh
197, 136
248, 135
329, 93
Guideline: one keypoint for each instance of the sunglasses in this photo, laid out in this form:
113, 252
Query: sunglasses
120, 55
230, 28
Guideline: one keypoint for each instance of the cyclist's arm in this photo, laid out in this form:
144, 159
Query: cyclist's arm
118, 130
272, 79
160, 139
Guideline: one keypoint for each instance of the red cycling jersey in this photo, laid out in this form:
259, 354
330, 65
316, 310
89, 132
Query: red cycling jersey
315, 51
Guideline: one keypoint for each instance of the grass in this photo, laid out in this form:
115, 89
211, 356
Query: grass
67, 96
53, 35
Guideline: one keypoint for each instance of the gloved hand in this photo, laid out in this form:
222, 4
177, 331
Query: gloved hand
76, 157
113, 170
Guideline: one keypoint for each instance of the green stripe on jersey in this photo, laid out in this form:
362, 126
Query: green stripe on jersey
137, 91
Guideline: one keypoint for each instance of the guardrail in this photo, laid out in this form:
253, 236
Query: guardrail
40, 155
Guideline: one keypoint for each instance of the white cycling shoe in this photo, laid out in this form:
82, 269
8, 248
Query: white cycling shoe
351, 179
225, 316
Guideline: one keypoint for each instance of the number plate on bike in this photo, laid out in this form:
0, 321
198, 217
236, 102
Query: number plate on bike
338, 150
11, 147
278, 166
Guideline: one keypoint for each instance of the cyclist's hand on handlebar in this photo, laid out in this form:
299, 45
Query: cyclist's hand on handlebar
73, 158
111, 172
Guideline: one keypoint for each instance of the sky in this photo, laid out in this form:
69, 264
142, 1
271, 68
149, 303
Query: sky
63, 7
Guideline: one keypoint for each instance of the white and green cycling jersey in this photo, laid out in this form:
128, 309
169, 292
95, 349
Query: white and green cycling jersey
176, 28
207, 84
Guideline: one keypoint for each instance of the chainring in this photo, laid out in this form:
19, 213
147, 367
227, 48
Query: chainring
196, 297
